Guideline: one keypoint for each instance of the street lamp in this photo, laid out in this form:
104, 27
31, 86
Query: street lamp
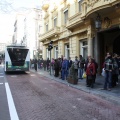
98, 22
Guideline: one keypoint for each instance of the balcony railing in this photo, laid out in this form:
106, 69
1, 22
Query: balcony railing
49, 34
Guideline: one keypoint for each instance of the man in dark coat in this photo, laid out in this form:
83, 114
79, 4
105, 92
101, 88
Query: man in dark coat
35, 65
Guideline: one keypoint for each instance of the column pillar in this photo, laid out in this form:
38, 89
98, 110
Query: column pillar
90, 42
61, 49
44, 53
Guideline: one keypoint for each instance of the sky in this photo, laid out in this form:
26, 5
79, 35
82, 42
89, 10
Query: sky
8, 12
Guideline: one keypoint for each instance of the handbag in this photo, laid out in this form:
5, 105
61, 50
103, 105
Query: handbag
103, 72
84, 75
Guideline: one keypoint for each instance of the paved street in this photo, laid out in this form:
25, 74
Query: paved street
37, 97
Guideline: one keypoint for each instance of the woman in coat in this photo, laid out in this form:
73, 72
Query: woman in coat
90, 72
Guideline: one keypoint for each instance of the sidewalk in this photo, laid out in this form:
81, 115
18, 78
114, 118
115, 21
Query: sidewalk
113, 95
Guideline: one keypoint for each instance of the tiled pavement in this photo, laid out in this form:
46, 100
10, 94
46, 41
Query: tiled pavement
113, 95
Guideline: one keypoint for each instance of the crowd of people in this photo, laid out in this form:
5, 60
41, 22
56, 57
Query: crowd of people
61, 68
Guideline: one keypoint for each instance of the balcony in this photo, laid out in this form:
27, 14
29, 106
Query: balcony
96, 5
49, 34
74, 21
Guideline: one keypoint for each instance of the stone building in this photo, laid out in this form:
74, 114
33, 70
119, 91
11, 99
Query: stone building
86, 27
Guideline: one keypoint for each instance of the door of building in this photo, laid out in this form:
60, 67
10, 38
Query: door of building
116, 45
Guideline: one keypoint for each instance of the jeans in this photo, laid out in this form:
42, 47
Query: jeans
63, 74
108, 79
80, 72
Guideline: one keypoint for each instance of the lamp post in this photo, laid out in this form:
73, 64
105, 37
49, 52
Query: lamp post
98, 22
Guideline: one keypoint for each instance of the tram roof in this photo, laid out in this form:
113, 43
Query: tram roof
16, 46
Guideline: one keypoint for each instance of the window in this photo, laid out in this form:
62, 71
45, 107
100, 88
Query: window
84, 48
56, 51
79, 5
55, 22
65, 16
67, 51
46, 27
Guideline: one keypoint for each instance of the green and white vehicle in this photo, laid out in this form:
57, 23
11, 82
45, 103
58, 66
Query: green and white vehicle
17, 58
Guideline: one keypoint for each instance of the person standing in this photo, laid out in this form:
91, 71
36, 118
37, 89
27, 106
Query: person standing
115, 70
90, 72
118, 57
56, 67
96, 69
108, 66
69, 64
44, 65
81, 63
64, 68
35, 64
48, 64
76, 65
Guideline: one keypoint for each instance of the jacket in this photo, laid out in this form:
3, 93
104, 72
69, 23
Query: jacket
90, 70
108, 65
81, 63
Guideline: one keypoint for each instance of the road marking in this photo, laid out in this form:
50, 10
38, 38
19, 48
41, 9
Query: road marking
27, 72
32, 75
74, 106
78, 98
12, 109
1, 83
1, 73
13, 76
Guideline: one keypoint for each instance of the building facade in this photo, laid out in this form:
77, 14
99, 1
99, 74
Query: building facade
27, 28
86, 27
32, 30
18, 29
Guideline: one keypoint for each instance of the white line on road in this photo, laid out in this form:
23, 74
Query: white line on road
1, 73
13, 76
1, 83
12, 109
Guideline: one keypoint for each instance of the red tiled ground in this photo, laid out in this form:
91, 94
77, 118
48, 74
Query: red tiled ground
39, 98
